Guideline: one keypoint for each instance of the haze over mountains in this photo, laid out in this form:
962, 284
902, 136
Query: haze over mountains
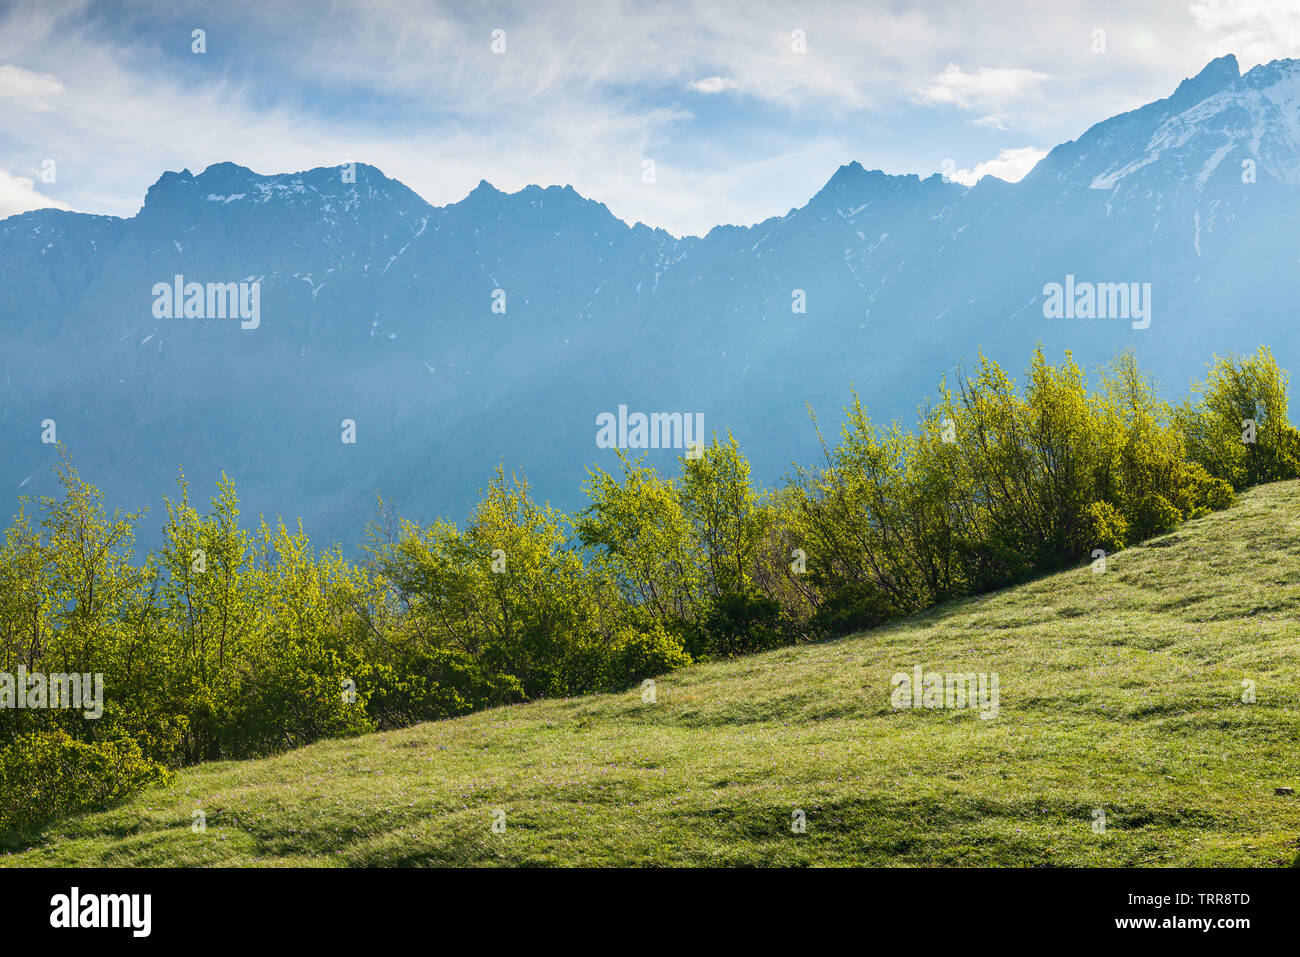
377, 307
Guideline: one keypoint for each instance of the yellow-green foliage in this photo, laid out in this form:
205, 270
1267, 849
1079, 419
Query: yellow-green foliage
1238, 427
512, 596
999, 483
49, 774
1106, 528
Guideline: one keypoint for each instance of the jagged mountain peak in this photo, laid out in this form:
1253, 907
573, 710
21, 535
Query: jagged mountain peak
1271, 74
484, 190
1252, 122
224, 183
854, 178
1211, 118
1216, 75
557, 207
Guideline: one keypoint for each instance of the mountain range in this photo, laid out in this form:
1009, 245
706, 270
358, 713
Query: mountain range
499, 328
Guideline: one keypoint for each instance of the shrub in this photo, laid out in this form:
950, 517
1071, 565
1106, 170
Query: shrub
299, 701
1217, 494
430, 685
1154, 515
995, 560
1239, 390
1196, 492
1105, 527
637, 654
48, 775
736, 624
851, 606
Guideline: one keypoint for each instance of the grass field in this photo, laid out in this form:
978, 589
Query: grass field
1120, 691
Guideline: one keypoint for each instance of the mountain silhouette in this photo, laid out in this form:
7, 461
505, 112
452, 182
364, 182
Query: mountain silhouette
379, 308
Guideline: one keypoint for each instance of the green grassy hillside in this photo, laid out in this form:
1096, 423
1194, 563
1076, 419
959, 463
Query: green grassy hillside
1120, 691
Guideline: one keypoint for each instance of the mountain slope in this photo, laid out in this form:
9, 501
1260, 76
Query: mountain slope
1120, 691
378, 307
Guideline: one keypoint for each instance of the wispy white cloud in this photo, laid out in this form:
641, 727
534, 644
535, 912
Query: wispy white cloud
1257, 31
1010, 165
35, 91
981, 89
18, 194
714, 84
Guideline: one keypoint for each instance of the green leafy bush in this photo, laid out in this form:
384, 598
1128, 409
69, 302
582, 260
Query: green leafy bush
638, 653
1154, 515
420, 685
737, 624
1238, 428
1106, 527
851, 606
49, 775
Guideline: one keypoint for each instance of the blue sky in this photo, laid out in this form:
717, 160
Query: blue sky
740, 125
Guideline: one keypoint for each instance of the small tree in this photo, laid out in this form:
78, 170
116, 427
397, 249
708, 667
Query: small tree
1239, 428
